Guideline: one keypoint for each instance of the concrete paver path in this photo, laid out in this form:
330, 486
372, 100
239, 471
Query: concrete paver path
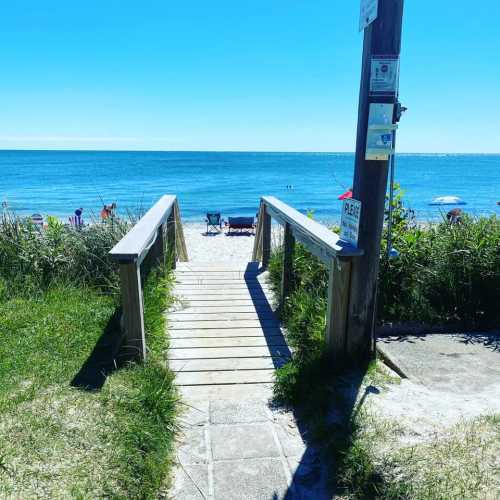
463, 363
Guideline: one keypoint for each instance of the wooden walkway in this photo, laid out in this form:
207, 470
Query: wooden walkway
225, 341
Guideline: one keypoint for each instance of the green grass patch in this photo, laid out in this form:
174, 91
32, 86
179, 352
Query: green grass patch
59, 441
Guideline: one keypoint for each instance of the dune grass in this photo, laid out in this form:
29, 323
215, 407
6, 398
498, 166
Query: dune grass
61, 441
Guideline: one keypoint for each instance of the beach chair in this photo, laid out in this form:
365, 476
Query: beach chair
37, 220
241, 224
214, 220
76, 221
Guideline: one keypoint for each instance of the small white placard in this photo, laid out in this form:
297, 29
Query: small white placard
384, 75
380, 132
349, 224
367, 13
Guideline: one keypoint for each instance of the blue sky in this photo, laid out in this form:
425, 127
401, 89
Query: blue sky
271, 75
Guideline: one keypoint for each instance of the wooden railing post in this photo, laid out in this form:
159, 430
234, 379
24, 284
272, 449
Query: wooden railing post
266, 237
180, 242
141, 249
134, 343
287, 269
156, 254
171, 238
338, 306
257, 244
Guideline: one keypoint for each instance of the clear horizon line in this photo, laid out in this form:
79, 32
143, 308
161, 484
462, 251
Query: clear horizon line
263, 151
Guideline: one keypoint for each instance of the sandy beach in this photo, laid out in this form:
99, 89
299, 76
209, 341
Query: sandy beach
217, 247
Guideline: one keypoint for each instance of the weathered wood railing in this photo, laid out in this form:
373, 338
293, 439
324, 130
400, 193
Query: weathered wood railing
324, 244
158, 234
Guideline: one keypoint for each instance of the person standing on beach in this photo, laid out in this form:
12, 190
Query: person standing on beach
105, 213
78, 218
108, 211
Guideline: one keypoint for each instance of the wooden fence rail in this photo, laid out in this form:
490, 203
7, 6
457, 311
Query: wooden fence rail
157, 234
336, 254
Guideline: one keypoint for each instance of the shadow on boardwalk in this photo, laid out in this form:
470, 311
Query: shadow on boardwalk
314, 472
276, 343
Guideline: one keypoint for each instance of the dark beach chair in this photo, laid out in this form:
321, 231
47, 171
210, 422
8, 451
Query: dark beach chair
76, 221
214, 220
240, 224
37, 220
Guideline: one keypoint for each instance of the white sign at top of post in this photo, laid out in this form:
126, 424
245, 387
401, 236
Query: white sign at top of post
368, 13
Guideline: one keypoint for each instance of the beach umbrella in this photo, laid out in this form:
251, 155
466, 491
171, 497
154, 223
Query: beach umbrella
447, 200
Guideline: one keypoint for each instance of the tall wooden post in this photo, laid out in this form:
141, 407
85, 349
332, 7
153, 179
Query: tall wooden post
382, 37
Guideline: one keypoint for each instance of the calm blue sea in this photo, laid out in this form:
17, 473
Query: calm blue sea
57, 182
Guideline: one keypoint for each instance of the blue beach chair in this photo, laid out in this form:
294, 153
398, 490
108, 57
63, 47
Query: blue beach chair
214, 220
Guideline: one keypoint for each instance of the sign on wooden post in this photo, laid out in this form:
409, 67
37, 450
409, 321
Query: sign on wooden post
349, 224
384, 75
368, 12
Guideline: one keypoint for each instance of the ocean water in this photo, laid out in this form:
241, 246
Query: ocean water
58, 182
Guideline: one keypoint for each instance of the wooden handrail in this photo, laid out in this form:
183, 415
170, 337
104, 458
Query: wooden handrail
158, 230
135, 244
318, 239
335, 253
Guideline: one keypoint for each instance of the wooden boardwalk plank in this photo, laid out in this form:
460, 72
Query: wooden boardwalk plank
229, 352
211, 266
224, 337
199, 303
211, 342
221, 282
224, 364
219, 286
218, 309
227, 292
240, 275
180, 316
223, 332
208, 325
